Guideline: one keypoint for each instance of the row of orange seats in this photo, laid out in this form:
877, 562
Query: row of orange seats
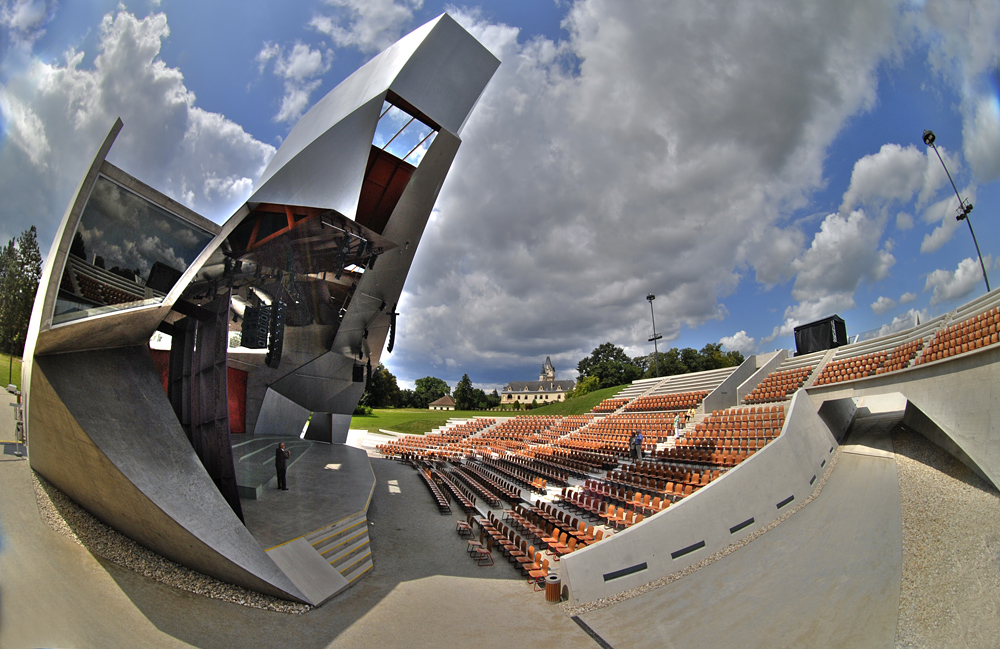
610, 405
901, 355
969, 335
778, 385
674, 401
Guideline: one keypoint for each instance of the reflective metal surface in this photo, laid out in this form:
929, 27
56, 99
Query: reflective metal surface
300, 282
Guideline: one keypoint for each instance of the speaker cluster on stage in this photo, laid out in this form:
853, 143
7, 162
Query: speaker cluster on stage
256, 324
264, 328
276, 335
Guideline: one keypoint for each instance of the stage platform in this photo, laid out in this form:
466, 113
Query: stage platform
327, 483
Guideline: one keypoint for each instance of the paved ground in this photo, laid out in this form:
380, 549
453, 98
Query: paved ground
423, 591
827, 577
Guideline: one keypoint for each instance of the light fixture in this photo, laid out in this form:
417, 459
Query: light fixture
655, 336
964, 206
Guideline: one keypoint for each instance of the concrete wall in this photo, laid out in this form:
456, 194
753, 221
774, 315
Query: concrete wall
765, 368
745, 499
106, 436
725, 396
954, 402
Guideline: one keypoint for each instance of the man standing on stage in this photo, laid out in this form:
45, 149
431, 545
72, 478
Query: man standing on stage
281, 457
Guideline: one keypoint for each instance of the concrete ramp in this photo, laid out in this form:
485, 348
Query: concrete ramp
829, 576
308, 570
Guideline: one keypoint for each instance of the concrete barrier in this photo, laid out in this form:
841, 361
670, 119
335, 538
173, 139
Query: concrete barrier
953, 402
747, 498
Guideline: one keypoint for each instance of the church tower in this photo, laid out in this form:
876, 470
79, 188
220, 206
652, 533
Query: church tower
548, 372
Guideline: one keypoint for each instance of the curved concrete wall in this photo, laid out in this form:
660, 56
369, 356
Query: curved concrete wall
954, 402
124, 457
745, 499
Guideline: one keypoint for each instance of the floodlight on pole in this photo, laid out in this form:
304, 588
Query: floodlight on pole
964, 206
655, 336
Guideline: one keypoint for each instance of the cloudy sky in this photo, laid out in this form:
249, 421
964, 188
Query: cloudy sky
755, 164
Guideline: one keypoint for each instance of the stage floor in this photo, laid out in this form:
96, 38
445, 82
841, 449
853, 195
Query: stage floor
326, 483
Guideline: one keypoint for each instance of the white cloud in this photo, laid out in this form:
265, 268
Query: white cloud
948, 286
368, 25
901, 323
25, 129
981, 136
565, 162
883, 304
63, 110
943, 211
299, 69
904, 221
962, 50
906, 298
894, 173
739, 342
844, 253
22, 22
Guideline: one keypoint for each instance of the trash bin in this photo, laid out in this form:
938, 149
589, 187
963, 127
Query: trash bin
553, 588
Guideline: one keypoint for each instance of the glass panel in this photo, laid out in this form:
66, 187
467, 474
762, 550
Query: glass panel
126, 252
403, 135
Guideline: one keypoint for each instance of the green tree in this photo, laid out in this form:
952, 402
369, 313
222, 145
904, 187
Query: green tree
407, 399
20, 270
683, 361
714, 358
382, 391
429, 389
611, 365
585, 385
492, 400
465, 394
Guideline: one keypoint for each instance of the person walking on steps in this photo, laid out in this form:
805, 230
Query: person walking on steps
281, 457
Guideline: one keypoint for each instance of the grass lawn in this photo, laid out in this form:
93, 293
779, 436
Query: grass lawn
5, 378
577, 406
412, 421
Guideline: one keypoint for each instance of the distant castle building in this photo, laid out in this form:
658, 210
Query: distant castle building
545, 390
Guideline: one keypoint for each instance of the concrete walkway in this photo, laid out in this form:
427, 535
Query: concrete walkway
424, 590
827, 577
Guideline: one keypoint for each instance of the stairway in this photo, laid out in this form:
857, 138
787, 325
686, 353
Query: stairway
344, 545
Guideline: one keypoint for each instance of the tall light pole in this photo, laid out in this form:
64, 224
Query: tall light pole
655, 336
964, 206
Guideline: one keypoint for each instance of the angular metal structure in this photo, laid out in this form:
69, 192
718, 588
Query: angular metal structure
298, 289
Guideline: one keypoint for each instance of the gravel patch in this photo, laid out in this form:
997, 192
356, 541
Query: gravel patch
950, 592
67, 518
604, 602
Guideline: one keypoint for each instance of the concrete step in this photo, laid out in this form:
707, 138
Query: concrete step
350, 565
343, 556
359, 570
336, 529
338, 542
345, 546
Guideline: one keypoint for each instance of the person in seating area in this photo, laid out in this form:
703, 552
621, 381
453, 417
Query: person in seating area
637, 445
281, 457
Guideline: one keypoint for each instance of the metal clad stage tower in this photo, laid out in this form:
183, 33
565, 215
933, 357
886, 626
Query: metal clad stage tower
317, 258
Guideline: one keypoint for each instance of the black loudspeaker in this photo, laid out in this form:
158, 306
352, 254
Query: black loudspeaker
392, 330
276, 335
359, 374
254, 330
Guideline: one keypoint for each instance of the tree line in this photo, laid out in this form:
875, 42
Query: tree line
608, 365
382, 391
20, 270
